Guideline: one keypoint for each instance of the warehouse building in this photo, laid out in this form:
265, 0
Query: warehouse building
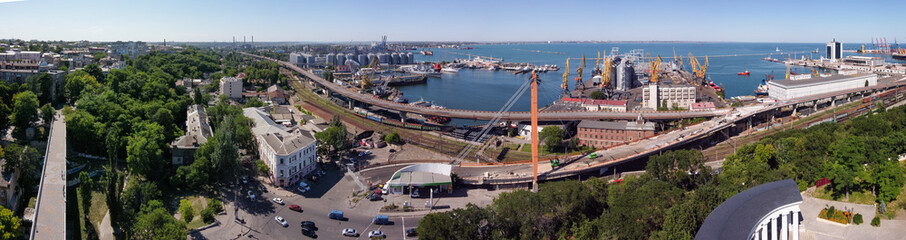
784, 90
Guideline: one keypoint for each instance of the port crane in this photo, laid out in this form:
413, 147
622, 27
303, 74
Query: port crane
565, 85
655, 69
579, 77
606, 72
366, 80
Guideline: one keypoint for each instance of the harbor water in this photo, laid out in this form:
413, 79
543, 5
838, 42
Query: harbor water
480, 89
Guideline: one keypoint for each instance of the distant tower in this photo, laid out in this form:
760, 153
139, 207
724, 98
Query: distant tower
243, 40
834, 50
253, 39
234, 40
384, 43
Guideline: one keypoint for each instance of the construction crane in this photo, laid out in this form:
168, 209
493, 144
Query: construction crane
815, 72
598, 62
366, 80
579, 77
565, 85
788, 70
655, 69
605, 74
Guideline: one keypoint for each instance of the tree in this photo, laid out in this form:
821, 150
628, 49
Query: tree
185, 209
27, 160
9, 224
597, 95
47, 114
85, 184
145, 151
890, 176
846, 167
225, 156
25, 109
76, 82
41, 85
552, 137
155, 222
263, 168
334, 138
393, 138
95, 71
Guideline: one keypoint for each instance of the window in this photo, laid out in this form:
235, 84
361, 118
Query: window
281, 173
281, 162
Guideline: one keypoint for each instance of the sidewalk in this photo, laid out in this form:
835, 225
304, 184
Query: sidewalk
814, 229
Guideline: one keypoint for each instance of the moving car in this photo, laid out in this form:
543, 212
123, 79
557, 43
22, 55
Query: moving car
309, 224
349, 232
335, 214
245, 180
278, 201
376, 233
282, 221
296, 208
381, 220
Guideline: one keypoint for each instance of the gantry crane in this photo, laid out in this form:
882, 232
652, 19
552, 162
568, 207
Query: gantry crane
655, 69
606, 72
565, 85
579, 84
367, 79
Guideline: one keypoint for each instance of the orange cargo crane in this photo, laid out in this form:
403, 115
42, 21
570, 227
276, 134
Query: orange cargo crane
366, 80
579, 84
815, 72
534, 129
655, 69
605, 74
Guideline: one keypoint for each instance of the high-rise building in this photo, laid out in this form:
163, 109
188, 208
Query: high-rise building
834, 50
231, 86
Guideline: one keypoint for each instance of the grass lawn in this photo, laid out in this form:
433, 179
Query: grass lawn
96, 213
198, 204
865, 197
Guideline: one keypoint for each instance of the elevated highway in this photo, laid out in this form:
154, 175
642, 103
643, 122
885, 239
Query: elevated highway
488, 115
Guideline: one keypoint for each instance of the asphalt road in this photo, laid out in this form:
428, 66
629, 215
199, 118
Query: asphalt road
256, 216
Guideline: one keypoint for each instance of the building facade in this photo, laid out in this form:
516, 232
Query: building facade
198, 130
290, 153
602, 134
784, 90
654, 96
231, 87
834, 50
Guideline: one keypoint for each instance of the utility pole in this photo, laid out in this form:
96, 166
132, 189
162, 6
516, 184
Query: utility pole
534, 131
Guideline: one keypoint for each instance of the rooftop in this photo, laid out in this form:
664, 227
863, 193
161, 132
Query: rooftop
198, 128
619, 125
818, 81
736, 217
281, 139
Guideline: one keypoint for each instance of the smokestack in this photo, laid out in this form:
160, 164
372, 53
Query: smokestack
243, 40
253, 39
234, 40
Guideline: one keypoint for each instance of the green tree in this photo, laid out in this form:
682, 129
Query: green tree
47, 114
25, 158
95, 71
155, 222
76, 82
85, 184
225, 155
41, 86
334, 138
597, 95
24, 110
393, 138
185, 209
891, 177
9, 224
848, 157
263, 168
552, 136
145, 151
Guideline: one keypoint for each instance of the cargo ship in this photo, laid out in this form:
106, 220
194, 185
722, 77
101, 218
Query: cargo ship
403, 80
899, 56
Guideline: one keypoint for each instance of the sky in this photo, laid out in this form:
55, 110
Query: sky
466, 20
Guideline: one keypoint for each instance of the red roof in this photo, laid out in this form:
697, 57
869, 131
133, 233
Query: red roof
702, 105
240, 75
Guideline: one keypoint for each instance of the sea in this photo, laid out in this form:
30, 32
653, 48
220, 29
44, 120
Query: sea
480, 89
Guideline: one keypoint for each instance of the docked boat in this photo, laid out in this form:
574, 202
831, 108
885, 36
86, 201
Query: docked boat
746, 73
404, 80
420, 70
492, 68
449, 70
900, 56
762, 89
777, 49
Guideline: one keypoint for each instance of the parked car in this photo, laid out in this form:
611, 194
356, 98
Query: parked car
313, 178
296, 208
411, 232
282, 221
414, 194
374, 197
381, 220
349, 232
251, 194
309, 232
245, 180
309, 224
376, 233
301, 190
335, 214
278, 201
304, 185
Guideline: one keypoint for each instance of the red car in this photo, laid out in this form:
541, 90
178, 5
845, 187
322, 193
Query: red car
296, 208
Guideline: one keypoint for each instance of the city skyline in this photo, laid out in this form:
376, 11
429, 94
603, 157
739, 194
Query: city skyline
474, 21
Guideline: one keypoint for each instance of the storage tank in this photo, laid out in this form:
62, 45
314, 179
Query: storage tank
395, 58
383, 58
363, 59
331, 59
411, 57
350, 56
625, 72
371, 57
341, 59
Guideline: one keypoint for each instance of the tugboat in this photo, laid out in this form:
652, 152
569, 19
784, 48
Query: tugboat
746, 73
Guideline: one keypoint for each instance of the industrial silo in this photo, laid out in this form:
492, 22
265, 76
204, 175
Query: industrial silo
331, 59
384, 58
395, 58
411, 57
371, 57
363, 59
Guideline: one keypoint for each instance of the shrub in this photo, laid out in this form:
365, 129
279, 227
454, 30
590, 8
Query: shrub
834, 215
857, 219
185, 208
207, 215
876, 222
215, 205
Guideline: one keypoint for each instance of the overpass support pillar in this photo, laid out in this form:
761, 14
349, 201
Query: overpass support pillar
402, 116
815, 106
795, 108
351, 103
833, 102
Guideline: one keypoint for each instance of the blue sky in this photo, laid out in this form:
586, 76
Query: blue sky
467, 20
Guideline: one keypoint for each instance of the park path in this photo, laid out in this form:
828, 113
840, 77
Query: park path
814, 229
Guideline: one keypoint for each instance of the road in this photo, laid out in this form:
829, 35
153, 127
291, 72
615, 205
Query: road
50, 215
488, 115
331, 192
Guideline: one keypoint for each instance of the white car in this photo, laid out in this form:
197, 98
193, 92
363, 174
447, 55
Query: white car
282, 221
376, 233
278, 201
349, 232
245, 180
251, 194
